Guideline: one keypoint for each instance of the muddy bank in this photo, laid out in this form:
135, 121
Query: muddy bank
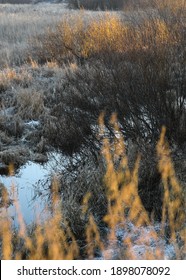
22, 150
25, 105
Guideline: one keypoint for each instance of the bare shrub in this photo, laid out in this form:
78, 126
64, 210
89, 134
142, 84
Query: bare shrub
61, 43
64, 131
139, 73
86, 179
16, 1
108, 4
135, 69
96, 4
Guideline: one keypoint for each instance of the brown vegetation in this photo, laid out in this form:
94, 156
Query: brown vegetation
62, 78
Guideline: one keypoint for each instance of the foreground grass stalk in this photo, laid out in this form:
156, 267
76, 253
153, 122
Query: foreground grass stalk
174, 202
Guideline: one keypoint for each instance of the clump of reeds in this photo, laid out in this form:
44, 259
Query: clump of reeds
53, 238
123, 197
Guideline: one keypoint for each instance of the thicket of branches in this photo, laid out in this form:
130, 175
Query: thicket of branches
108, 4
16, 1
136, 70
97, 4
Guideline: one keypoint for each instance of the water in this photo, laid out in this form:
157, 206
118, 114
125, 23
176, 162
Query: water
31, 183
27, 182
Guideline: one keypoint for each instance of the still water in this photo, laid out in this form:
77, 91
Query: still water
25, 182
31, 187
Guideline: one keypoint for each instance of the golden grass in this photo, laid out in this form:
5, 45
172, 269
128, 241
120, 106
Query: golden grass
75, 36
53, 238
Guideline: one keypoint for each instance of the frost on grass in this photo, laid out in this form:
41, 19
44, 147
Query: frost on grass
144, 241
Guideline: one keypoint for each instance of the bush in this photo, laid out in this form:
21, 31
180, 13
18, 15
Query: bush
137, 72
109, 4
97, 4
61, 43
136, 69
16, 1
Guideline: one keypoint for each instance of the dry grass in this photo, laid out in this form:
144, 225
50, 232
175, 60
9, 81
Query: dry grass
19, 23
78, 40
30, 104
53, 239
10, 77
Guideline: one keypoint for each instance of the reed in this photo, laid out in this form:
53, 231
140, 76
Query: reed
53, 238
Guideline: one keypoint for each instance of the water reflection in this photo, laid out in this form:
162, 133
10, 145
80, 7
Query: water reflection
27, 182
32, 184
